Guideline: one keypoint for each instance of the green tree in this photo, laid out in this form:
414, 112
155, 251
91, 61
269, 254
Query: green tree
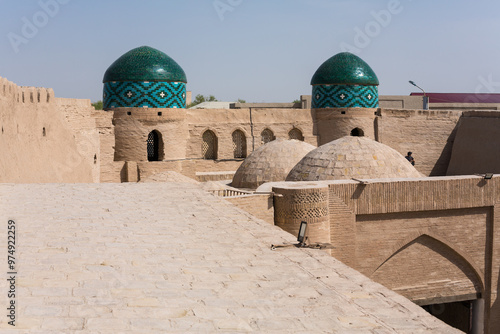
98, 105
241, 101
200, 99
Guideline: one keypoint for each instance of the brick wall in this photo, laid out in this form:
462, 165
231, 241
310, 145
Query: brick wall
260, 206
432, 240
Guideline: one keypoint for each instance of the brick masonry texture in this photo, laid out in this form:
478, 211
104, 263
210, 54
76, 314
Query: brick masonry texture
433, 240
168, 257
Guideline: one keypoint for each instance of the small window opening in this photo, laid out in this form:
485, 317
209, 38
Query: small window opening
296, 134
239, 144
357, 132
44, 133
159, 113
48, 97
95, 159
155, 146
39, 97
267, 136
129, 113
209, 145
31, 97
342, 112
23, 97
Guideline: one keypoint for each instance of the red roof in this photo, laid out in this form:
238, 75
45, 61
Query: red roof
460, 97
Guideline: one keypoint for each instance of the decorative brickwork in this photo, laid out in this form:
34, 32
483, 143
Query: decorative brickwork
310, 205
131, 94
344, 96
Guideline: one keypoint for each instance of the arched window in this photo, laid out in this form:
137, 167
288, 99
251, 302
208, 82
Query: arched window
209, 146
296, 134
155, 146
239, 144
357, 132
267, 136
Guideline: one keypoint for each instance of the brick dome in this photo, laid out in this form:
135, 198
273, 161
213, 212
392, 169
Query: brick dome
270, 163
352, 157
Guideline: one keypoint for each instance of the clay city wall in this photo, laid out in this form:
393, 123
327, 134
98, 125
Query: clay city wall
433, 240
40, 140
476, 148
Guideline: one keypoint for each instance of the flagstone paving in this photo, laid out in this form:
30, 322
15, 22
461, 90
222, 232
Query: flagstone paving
169, 257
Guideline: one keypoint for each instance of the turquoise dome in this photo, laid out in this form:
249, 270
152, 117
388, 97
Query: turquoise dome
345, 69
145, 64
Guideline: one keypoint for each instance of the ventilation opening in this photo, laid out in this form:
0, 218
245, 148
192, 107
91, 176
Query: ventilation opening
357, 132
159, 113
95, 159
129, 113
44, 133
342, 112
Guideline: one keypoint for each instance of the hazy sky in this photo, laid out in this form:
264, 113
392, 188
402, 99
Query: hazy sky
257, 50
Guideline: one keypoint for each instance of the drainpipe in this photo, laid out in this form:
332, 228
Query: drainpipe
478, 316
251, 130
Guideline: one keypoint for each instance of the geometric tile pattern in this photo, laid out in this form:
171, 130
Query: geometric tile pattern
344, 96
130, 94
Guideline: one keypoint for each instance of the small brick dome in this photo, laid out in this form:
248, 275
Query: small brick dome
352, 157
270, 163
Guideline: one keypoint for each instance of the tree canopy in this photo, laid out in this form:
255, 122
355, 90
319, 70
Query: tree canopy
200, 99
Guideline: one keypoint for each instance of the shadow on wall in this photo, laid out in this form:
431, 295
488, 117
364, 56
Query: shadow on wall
476, 148
443, 162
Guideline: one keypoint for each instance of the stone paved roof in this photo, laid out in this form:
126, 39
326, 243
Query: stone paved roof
270, 162
168, 257
352, 157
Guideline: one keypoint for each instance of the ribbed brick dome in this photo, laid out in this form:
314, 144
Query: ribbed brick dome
270, 163
352, 157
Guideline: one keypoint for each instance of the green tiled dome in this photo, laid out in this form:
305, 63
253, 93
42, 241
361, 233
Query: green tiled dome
345, 69
145, 64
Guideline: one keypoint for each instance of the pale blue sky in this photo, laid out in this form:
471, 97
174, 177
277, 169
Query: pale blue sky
257, 50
